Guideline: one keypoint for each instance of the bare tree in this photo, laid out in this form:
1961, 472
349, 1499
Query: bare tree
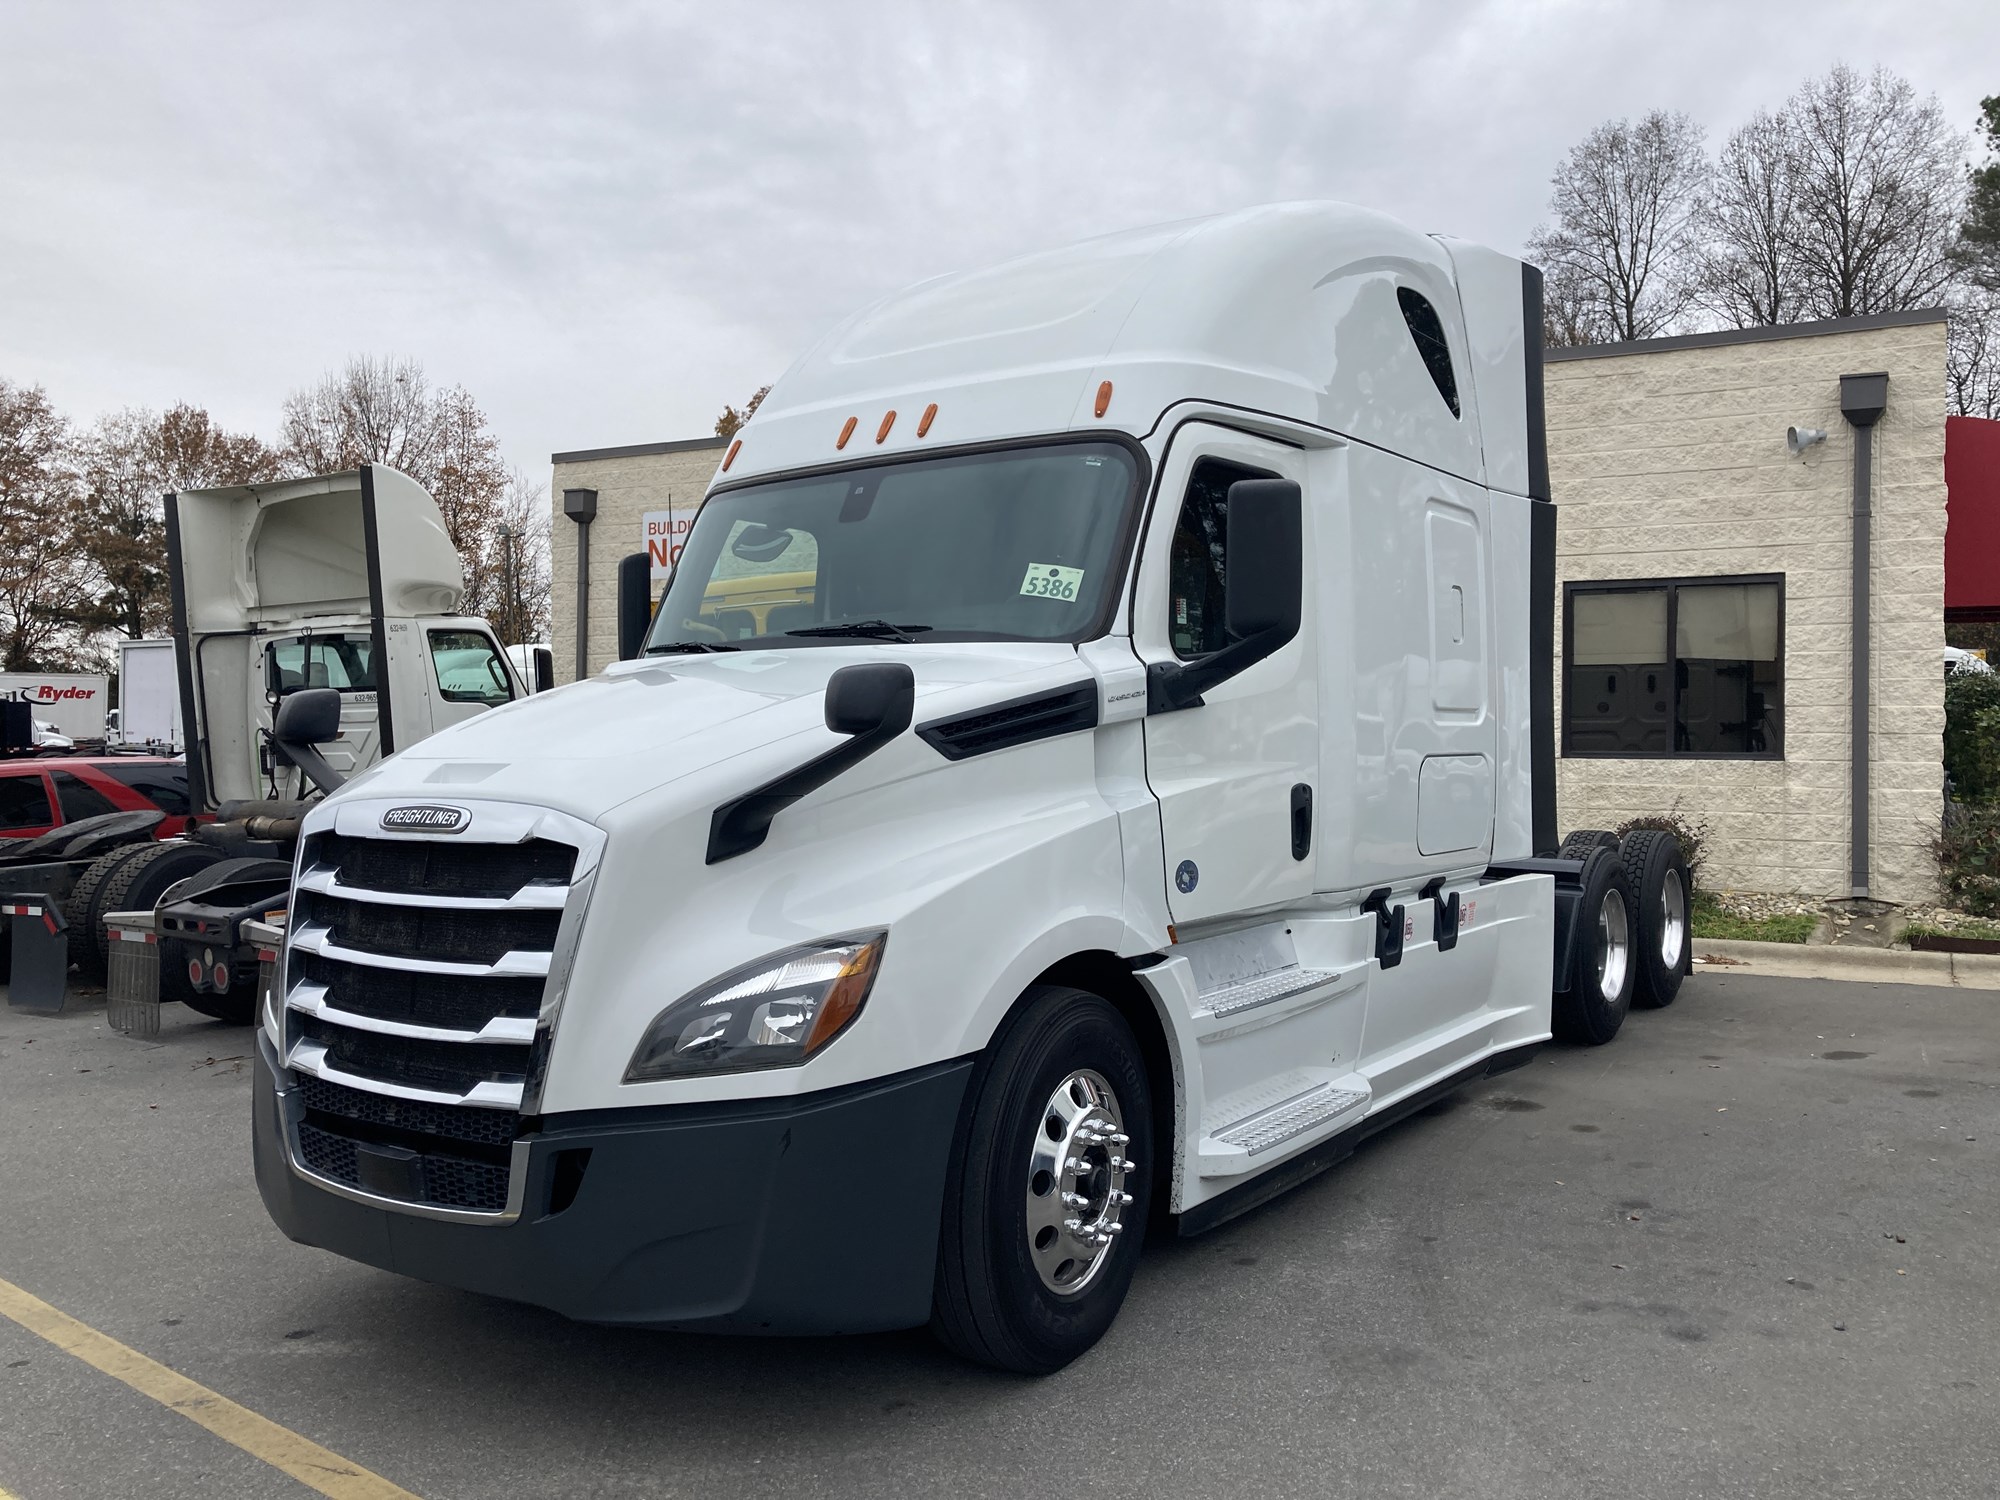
383, 411
41, 584
1880, 184
1750, 273
1979, 235
1619, 252
1972, 356
731, 421
516, 599
128, 461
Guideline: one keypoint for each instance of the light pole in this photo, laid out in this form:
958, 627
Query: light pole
512, 629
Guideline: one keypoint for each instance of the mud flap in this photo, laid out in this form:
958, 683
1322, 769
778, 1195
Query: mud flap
132, 974
40, 970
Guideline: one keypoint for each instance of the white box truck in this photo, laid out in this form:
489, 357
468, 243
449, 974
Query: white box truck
65, 705
149, 700
1134, 786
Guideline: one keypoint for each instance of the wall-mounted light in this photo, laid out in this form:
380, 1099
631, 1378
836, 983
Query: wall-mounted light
1798, 439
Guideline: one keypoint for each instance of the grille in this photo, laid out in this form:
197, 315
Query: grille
447, 933
1039, 717
347, 1108
447, 1067
455, 1002
426, 867
448, 1181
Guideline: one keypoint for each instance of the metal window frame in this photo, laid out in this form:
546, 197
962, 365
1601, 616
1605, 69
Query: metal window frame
1672, 587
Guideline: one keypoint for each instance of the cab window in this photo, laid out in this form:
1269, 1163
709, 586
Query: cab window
469, 668
1200, 559
336, 661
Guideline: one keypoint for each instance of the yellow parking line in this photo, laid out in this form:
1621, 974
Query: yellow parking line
260, 1437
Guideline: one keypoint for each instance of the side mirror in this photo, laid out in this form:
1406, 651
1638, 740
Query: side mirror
309, 717
874, 698
870, 703
545, 669
635, 603
1263, 592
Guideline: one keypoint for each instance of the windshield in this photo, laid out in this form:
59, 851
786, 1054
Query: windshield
1018, 545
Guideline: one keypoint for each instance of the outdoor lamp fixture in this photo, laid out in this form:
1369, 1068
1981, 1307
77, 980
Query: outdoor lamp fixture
1798, 439
581, 507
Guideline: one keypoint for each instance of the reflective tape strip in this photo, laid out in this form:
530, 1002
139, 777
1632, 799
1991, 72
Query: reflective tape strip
126, 935
20, 911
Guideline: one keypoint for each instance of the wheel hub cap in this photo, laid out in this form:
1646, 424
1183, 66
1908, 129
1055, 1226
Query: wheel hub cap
1077, 1168
1673, 921
1613, 946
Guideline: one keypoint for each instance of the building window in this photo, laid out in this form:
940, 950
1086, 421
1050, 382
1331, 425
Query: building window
1691, 667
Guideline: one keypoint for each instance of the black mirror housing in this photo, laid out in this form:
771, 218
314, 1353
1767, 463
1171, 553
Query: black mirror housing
1263, 589
871, 698
308, 716
635, 603
1263, 593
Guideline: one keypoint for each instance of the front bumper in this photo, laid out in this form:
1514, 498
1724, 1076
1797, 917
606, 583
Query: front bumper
816, 1214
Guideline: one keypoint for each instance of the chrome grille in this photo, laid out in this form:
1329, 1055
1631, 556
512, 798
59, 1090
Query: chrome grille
421, 984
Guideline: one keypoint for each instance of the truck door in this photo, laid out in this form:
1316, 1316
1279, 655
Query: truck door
468, 674
344, 661
1234, 776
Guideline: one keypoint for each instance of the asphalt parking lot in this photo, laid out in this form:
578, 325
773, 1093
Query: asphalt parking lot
1751, 1248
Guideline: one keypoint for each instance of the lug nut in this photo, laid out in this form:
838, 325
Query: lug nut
1124, 1200
1113, 1228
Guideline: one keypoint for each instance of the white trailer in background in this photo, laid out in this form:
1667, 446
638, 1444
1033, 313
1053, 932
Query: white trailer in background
149, 699
71, 704
1213, 568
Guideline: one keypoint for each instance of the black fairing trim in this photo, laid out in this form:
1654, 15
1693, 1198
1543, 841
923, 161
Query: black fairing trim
1018, 721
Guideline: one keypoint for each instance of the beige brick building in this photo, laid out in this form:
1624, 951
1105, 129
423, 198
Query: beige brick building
630, 483
1668, 460
1670, 469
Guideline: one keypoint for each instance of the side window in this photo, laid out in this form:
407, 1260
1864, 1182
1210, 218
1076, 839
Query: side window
1431, 343
24, 803
468, 669
332, 661
1200, 559
79, 799
163, 786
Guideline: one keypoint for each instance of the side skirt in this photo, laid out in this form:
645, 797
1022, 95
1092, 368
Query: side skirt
1337, 1148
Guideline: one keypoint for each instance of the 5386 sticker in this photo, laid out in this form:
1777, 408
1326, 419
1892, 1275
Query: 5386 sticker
1048, 581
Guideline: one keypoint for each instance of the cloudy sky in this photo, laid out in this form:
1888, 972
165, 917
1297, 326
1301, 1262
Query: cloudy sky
607, 220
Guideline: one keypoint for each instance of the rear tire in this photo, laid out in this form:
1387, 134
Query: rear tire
85, 908
1657, 872
1579, 844
1061, 1098
1600, 987
140, 882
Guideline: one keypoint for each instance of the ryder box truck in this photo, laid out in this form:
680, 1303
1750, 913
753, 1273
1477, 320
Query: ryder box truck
1134, 786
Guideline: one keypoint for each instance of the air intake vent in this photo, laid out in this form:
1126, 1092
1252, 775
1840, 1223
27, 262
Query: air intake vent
1040, 716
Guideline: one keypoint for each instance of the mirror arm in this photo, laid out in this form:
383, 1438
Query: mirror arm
1172, 685
310, 761
739, 825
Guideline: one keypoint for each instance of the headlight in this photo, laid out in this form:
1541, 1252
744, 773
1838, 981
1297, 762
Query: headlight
774, 1013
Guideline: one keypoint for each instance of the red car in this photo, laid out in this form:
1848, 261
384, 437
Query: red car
38, 794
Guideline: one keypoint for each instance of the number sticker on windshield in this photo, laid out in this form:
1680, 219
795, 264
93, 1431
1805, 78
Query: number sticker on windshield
1047, 581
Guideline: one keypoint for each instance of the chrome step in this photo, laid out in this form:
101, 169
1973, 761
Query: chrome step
1263, 989
1289, 1119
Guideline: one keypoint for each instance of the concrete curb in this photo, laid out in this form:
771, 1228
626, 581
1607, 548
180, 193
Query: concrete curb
1979, 971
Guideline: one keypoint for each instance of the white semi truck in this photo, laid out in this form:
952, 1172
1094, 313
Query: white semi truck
1092, 765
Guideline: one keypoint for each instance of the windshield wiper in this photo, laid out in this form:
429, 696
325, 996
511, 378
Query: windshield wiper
666, 647
877, 629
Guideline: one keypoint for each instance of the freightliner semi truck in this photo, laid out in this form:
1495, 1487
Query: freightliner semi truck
1091, 766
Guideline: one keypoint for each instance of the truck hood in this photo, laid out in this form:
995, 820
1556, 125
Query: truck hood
586, 748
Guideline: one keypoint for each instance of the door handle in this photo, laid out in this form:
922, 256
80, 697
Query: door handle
1302, 820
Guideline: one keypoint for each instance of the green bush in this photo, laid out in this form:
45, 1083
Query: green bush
1972, 735
1968, 856
1692, 837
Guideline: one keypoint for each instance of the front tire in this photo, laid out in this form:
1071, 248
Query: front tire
1048, 1193
1604, 972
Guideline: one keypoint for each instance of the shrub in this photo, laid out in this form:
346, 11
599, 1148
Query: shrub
1972, 735
1968, 856
1692, 837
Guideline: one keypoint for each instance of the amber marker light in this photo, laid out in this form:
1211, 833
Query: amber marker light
843, 1001
846, 432
924, 422
1104, 398
888, 421
734, 448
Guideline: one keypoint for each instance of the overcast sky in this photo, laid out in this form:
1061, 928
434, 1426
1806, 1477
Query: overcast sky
608, 220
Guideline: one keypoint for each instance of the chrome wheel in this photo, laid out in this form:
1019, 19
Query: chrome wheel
1076, 1182
1614, 945
1673, 920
